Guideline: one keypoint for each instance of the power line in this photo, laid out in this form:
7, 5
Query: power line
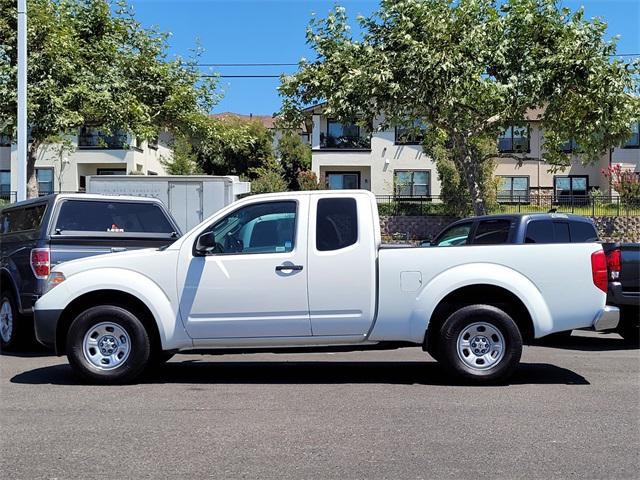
247, 65
239, 76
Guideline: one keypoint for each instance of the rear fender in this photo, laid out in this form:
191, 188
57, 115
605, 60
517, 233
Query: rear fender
479, 274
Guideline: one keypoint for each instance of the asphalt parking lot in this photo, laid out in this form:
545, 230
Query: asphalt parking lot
570, 411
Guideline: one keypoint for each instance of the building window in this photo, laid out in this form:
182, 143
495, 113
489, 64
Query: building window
343, 180
45, 180
412, 135
152, 143
570, 146
514, 139
412, 183
5, 183
90, 137
513, 189
634, 140
343, 135
566, 187
111, 171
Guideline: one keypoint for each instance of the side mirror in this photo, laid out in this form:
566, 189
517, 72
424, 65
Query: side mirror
205, 242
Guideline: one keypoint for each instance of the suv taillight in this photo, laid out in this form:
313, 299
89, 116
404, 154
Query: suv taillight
40, 262
614, 264
599, 270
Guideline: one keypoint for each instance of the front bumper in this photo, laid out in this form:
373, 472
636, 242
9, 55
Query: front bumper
607, 318
46, 325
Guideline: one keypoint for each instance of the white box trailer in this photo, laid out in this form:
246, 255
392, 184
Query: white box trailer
190, 199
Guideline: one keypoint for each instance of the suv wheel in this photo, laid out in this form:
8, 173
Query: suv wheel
10, 324
481, 344
108, 344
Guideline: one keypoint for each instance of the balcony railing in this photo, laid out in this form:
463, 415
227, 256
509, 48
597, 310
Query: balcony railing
345, 142
98, 140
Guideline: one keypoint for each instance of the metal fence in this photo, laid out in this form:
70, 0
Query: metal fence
588, 205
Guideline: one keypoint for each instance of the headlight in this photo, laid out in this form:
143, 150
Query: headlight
54, 279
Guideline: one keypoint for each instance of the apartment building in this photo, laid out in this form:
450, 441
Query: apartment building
91, 152
391, 162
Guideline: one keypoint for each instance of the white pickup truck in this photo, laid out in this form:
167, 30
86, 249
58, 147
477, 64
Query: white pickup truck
308, 270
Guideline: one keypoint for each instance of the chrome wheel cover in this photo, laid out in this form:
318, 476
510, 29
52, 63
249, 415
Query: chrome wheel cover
481, 346
6, 321
106, 346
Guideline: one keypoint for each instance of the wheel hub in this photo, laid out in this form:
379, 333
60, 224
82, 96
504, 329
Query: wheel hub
108, 344
480, 345
6, 321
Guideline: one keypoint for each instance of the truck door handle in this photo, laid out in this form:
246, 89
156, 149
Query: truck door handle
280, 268
118, 249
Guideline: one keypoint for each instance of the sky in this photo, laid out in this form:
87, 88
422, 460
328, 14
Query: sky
273, 31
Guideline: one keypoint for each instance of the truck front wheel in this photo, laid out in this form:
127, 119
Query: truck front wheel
108, 344
481, 344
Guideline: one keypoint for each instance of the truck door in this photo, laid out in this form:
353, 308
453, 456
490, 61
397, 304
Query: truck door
253, 282
342, 266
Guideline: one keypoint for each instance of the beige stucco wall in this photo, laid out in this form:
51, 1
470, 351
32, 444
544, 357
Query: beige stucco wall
379, 163
82, 162
385, 157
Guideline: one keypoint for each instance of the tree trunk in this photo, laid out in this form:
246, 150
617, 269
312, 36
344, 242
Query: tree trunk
472, 175
32, 181
471, 170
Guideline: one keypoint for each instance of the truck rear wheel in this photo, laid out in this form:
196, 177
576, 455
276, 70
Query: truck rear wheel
481, 344
108, 344
12, 324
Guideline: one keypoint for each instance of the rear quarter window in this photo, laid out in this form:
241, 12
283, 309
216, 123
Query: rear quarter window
114, 217
336, 223
22, 219
539, 231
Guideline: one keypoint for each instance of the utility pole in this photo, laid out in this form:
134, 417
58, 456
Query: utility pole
21, 160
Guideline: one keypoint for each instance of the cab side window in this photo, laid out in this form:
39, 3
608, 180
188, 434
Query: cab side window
492, 232
456, 235
336, 223
260, 228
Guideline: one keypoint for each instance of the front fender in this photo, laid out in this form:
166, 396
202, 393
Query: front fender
172, 333
480, 274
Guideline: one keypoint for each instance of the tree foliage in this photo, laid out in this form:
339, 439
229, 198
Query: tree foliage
268, 178
91, 63
468, 69
183, 160
307, 180
233, 146
295, 157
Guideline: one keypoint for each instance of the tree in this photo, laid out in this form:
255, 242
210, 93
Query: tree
91, 63
468, 69
233, 146
268, 178
307, 180
295, 157
183, 160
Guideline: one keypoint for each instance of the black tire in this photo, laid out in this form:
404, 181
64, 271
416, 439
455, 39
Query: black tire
13, 326
629, 325
117, 324
483, 320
